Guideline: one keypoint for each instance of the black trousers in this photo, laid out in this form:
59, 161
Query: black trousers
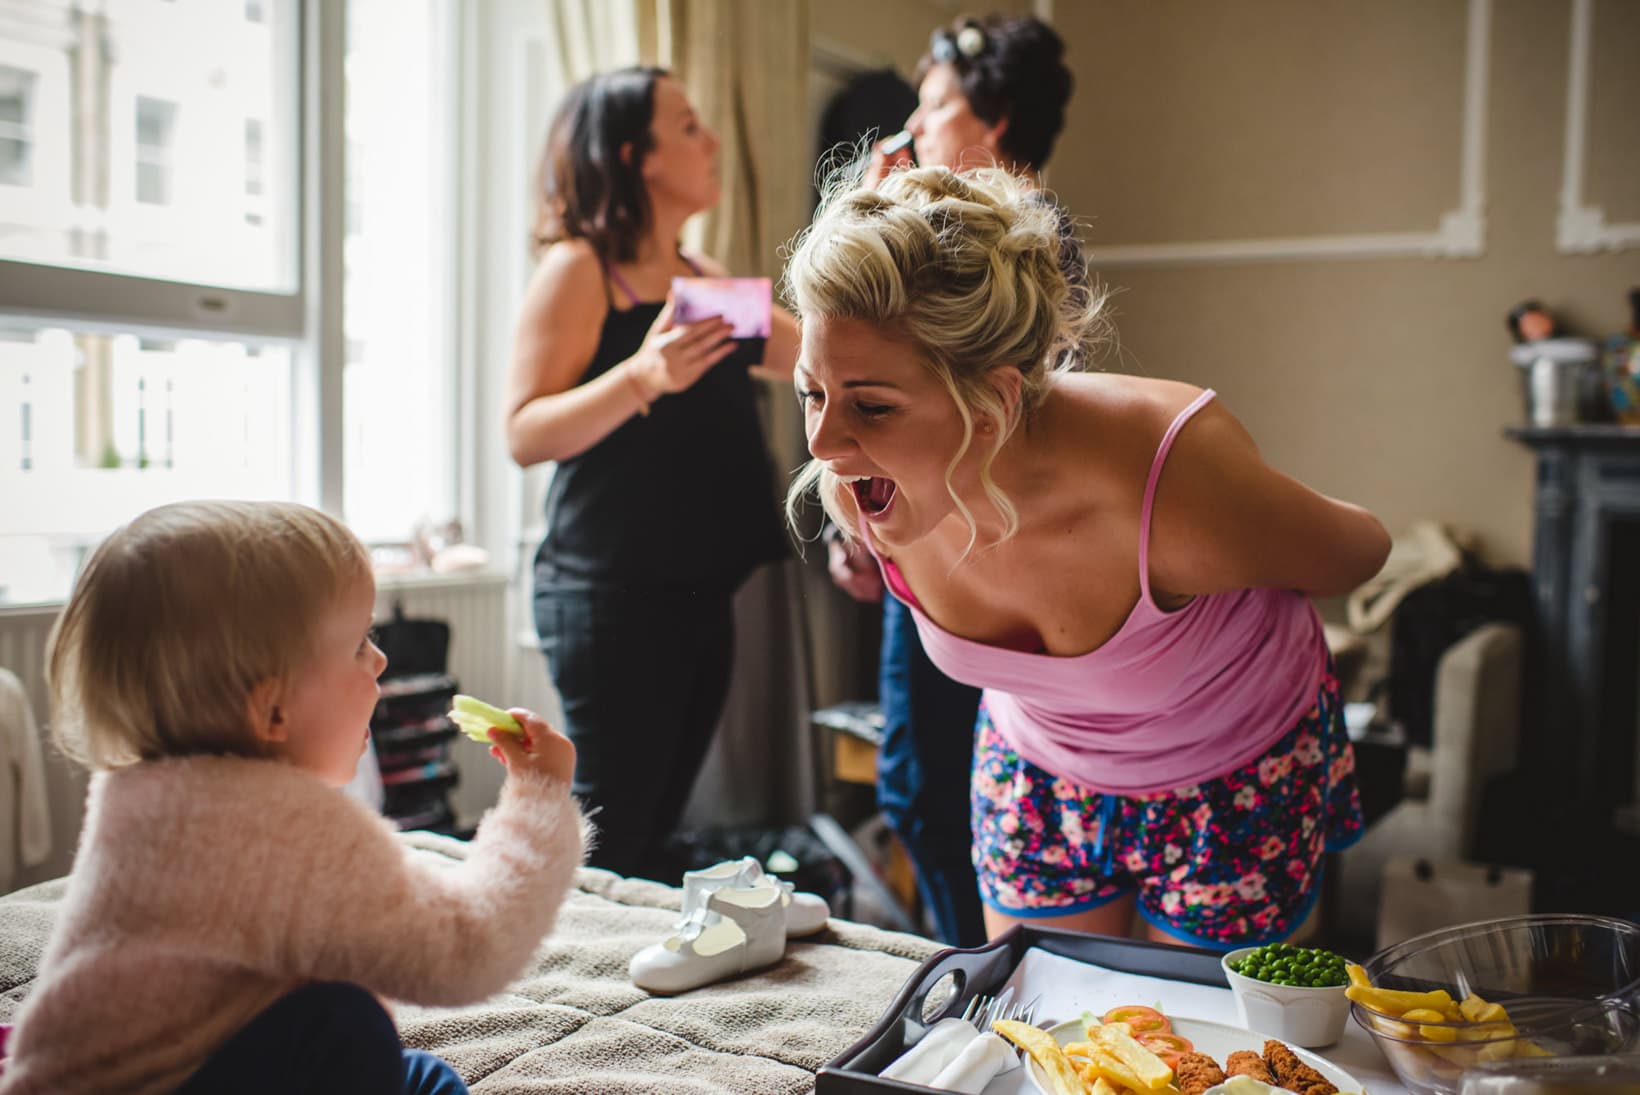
325, 1038
642, 676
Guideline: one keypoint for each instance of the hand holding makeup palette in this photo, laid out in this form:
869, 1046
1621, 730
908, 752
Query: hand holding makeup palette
747, 303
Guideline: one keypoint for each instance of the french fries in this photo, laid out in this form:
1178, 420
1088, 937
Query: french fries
1421, 1044
1044, 1048
1148, 1072
1110, 1062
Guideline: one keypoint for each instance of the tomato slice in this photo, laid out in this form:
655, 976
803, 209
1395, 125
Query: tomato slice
1140, 1019
1169, 1047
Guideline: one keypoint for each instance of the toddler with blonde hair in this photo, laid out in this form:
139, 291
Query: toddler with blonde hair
232, 917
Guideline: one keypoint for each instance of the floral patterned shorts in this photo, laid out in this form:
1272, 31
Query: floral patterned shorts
1228, 862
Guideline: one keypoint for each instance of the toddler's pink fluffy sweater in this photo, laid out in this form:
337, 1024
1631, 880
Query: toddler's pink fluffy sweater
206, 888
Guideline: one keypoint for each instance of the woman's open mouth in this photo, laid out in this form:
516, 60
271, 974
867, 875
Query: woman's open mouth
873, 494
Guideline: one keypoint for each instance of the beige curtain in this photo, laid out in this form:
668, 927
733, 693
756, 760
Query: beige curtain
597, 35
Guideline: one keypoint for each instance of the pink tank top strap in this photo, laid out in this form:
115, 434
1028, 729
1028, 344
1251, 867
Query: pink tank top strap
891, 573
620, 283
1150, 488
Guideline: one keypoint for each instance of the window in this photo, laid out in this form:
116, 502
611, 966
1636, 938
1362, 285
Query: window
253, 171
116, 424
145, 175
16, 120
155, 120
398, 383
172, 332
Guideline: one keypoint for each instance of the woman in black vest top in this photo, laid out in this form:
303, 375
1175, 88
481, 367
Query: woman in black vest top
663, 500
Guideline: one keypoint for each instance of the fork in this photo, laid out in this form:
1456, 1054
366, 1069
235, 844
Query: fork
985, 1009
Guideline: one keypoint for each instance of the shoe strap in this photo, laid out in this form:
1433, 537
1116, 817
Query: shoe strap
689, 926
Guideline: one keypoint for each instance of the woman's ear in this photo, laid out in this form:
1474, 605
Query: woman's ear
1008, 384
993, 137
267, 722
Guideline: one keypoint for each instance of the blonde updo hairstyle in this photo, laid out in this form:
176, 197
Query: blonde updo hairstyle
968, 268
178, 615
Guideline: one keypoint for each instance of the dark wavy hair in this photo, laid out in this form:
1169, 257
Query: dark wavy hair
1018, 73
586, 190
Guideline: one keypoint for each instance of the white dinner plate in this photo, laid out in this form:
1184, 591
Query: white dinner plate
1217, 1040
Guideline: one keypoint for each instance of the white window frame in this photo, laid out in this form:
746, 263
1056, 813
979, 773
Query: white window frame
308, 318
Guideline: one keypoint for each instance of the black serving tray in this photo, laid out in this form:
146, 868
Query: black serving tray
984, 970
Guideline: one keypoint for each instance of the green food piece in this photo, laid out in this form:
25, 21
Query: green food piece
475, 718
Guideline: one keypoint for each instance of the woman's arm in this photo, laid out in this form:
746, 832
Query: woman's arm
1224, 519
549, 417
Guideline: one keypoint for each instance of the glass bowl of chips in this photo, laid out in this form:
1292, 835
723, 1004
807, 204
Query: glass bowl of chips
1525, 986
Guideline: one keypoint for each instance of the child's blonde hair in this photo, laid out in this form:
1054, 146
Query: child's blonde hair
178, 615
971, 270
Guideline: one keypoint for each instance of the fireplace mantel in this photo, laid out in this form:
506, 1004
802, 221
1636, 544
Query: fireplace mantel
1583, 670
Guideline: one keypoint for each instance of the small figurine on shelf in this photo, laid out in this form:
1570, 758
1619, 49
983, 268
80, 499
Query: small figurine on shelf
1530, 321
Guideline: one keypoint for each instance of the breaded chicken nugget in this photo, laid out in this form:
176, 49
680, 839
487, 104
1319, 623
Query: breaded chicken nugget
1196, 1072
1244, 1062
1292, 1073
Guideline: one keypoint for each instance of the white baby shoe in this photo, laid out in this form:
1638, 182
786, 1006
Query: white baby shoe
806, 913
733, 931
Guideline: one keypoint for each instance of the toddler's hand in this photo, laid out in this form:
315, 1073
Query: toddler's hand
539, 748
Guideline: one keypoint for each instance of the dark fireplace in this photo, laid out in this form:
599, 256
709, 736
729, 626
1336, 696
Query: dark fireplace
1579, 774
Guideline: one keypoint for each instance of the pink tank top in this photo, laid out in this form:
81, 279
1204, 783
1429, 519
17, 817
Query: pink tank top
1173, 698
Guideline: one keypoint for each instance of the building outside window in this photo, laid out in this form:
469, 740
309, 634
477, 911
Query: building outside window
155, 121
161, 327
253, 171
16, 120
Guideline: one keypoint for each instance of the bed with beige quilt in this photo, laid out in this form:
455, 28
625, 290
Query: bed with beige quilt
574, 1022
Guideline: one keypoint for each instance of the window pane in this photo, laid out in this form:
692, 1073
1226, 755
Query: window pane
96, 428
16, 125
398, 456
140, 176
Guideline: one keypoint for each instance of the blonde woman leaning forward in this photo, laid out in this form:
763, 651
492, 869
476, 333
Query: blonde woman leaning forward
663, 500
1107, 556
232, 917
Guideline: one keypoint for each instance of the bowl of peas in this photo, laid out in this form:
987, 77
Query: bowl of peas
1290, 992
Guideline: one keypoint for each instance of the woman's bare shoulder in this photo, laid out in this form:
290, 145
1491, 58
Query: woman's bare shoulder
568, 276
576, 258
1116, 408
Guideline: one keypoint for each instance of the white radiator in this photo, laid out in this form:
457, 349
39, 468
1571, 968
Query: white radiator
475, 607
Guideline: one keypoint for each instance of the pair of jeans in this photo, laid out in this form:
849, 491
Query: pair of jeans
642, 675
325, 1038
923, 773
